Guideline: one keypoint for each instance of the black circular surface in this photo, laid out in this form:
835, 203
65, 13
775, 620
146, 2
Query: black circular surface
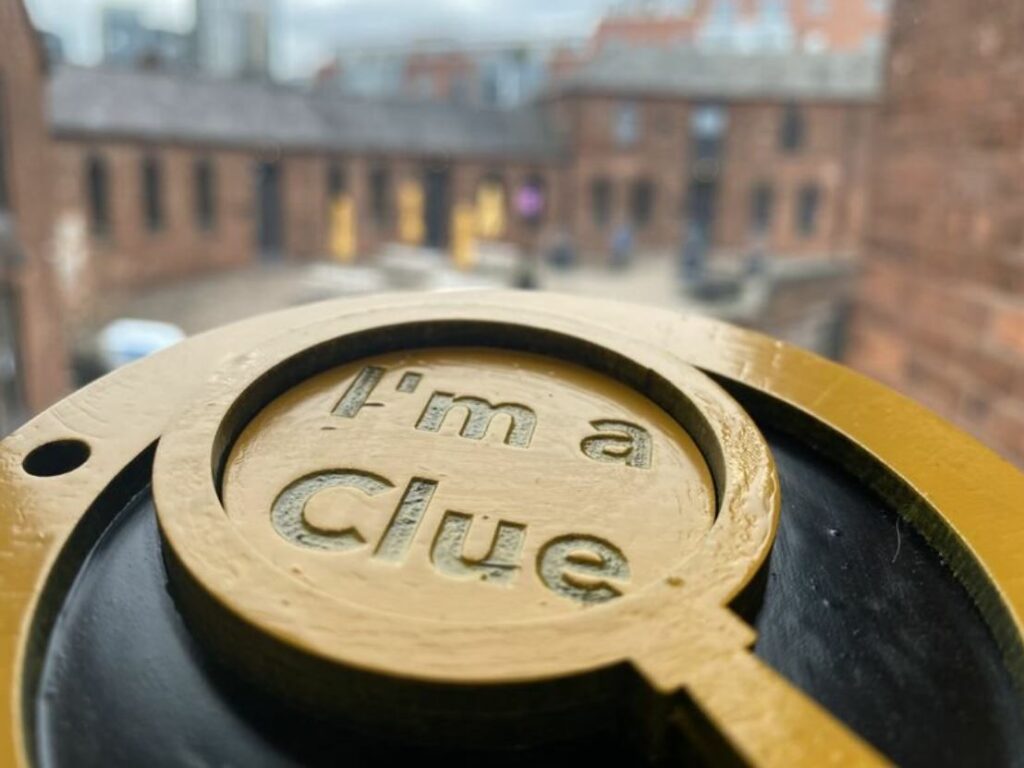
861, 614
872, 626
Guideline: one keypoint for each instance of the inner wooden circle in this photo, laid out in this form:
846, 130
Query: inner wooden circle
468, 485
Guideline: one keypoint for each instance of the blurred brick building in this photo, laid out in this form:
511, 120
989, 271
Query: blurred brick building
942, 301
162, 175
765, 150
32, 372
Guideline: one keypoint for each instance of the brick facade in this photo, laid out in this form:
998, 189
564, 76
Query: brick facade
941, 314
130, 254
831, 156
25, 144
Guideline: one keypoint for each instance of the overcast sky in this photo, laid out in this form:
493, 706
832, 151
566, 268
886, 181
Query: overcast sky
307, 30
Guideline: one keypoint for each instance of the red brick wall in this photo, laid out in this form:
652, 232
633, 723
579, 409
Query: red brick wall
659, 155
131, 256
834, 156
27, 158
941, 313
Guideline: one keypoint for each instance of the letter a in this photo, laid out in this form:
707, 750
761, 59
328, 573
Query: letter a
620, 442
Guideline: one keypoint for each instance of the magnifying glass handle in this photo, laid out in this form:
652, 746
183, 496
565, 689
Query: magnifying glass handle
757, 717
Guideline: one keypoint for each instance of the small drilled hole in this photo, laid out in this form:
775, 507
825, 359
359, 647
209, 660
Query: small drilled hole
56, 458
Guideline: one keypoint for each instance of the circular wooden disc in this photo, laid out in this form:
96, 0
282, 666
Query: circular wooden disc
468, 485
414, 505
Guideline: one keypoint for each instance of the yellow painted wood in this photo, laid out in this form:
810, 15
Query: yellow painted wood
343, 241
651, 501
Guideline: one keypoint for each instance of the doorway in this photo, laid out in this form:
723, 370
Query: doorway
437, 207
702, 198
270, 221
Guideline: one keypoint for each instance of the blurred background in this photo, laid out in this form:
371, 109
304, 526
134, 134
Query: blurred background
847, 175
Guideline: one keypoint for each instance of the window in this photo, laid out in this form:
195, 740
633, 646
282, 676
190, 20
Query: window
205, 195
337, 181
762, 199
641, 202
380, 196
97, 186
808, 202
601, 201
792, 129
152, 201
627, 124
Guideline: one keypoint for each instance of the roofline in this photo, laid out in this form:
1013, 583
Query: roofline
316, 94
669, 95
84, 135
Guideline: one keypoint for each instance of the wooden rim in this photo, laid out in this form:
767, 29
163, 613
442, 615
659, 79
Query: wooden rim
214, 556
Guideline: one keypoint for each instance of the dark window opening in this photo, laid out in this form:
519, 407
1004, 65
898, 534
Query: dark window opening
152, 200
380, 196
808, 203
792, 130
270, 207
337, 181
601, 201
762, 201
437, 204
98, 193
702, 204
205, 198
641, 204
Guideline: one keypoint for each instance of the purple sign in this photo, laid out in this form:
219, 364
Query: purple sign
529, 201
